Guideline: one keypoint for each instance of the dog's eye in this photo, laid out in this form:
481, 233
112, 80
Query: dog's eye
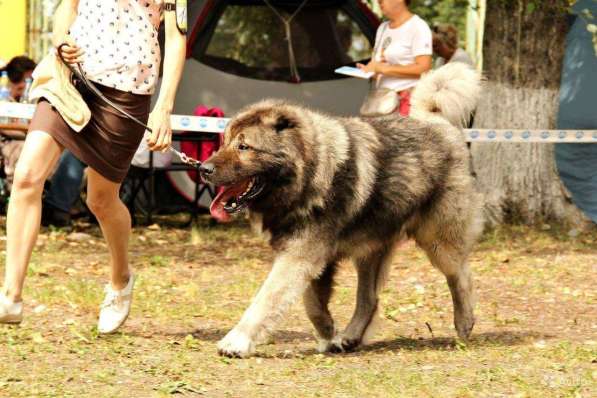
243, 147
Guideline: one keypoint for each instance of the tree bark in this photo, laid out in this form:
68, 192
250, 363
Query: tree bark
523, 53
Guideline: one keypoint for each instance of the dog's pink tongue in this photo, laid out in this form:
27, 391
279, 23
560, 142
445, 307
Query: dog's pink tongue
217, 206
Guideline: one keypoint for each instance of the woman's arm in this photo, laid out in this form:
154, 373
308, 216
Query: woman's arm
422, 64
174, 58
63, 19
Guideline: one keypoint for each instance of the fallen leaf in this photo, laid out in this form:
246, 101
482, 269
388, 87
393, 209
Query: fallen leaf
78, 237
38, 338
540, 344
39, 309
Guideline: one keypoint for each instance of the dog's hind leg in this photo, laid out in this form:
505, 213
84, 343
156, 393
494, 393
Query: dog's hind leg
447, 232
461, 287
372, 271
452, 262
316, 299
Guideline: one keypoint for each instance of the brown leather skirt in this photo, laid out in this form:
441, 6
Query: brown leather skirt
109, 141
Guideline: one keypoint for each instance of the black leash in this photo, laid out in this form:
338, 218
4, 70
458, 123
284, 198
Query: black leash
79, 75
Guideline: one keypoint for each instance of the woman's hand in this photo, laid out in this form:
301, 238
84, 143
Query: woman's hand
161, 133
71, 53
373, 66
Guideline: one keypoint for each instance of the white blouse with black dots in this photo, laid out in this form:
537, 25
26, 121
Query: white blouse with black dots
120, 40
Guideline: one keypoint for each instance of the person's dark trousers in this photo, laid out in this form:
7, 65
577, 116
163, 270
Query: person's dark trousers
64, 190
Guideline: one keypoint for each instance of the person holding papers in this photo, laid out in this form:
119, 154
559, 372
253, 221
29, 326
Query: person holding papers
402, 53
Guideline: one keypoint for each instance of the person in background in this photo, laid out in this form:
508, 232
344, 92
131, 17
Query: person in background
19, 69
406, 49
445, 45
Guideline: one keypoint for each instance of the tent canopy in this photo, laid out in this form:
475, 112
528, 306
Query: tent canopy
248, 39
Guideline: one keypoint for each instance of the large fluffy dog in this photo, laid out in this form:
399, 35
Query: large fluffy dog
330, 188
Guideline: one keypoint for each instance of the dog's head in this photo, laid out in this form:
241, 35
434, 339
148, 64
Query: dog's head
264, 148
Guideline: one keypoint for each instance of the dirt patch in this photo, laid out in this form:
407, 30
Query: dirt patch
535, 334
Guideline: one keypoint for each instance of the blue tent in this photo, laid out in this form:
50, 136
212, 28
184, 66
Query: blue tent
577, 163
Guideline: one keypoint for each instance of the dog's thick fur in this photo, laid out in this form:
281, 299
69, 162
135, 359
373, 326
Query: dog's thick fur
349, 188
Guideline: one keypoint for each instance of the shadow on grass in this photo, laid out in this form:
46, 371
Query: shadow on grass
214, 334
489, 339
506, 338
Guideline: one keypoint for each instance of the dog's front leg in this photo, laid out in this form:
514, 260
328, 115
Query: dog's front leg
287, 281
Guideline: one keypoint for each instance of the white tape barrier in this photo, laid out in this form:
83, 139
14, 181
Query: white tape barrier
15, 110
568, 136
178, 122
216, 125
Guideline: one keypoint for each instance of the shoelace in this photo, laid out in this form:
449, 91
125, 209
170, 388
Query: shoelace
112, 297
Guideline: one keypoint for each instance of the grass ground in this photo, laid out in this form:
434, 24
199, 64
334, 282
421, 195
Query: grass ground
536, 333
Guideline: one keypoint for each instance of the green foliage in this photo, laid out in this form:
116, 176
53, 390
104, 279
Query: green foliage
443, 11
437, 11
246, 34
588, 16
454, 12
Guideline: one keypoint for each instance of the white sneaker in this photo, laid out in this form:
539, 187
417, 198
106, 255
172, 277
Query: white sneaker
115, 308
10, 312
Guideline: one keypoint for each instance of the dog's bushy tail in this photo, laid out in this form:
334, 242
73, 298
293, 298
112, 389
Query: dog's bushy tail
449, 93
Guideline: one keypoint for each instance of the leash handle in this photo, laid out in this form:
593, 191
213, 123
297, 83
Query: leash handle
80, 75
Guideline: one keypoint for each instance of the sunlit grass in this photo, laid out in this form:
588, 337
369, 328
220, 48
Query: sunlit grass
535, 331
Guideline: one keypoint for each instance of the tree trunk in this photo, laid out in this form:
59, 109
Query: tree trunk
523, 53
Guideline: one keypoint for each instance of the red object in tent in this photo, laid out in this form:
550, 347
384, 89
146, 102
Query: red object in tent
202, 150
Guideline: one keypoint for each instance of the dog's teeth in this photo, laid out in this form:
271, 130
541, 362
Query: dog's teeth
234, 205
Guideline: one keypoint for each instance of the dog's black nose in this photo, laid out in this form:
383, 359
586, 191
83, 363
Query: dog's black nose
207, 168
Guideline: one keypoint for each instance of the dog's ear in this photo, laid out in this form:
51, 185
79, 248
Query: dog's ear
283, 122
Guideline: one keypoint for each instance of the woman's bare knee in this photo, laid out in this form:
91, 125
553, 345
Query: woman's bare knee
100, 204
38, 157
102, 195
28, 179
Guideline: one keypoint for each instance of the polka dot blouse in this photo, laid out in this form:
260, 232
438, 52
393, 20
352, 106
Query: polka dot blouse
120, 41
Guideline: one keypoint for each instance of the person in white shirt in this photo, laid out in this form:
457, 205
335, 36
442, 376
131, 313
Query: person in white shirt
445, 45
404, 51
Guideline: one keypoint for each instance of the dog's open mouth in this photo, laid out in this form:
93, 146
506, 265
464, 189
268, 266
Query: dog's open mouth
235, 198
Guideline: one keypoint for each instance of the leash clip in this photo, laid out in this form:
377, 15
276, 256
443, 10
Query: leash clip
185, 158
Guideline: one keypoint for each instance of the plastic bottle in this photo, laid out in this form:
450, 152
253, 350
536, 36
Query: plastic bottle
4, 93
25, 97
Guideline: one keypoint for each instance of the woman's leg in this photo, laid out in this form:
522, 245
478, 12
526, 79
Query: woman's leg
115, 221
38, 158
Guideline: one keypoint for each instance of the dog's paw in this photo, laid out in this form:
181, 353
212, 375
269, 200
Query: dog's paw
464, 327
340, 344
324, 345
236, 345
